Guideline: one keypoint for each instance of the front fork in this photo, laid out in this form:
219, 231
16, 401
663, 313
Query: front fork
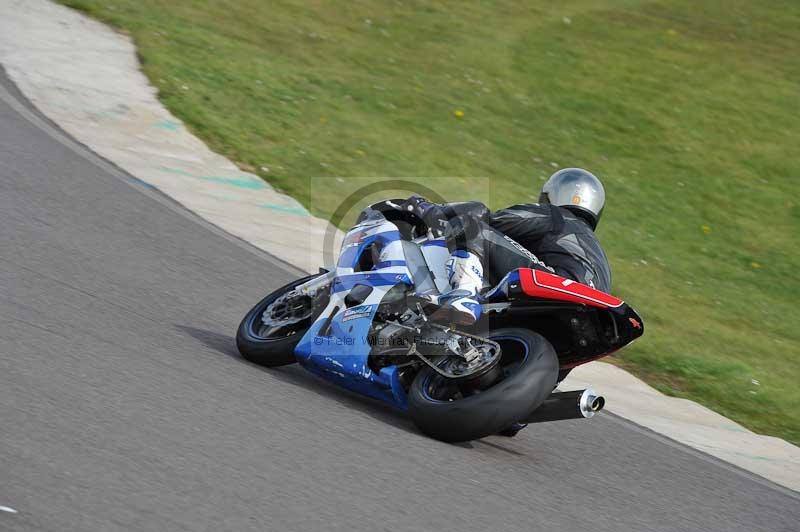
312, 287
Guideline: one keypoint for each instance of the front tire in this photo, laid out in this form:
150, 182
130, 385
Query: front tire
275, 348
530, 366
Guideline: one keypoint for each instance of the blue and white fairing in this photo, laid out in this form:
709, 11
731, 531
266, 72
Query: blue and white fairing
340, 353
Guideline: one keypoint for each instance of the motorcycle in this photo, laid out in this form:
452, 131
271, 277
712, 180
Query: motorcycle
364, 325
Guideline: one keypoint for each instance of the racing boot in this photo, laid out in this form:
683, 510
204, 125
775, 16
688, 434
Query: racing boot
460, 304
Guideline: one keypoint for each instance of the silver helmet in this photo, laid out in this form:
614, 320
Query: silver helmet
577, 190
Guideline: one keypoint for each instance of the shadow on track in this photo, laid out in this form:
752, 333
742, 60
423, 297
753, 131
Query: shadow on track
297, 376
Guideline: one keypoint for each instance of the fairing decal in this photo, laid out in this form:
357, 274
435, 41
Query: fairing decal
545, 285
341, 356
346, 282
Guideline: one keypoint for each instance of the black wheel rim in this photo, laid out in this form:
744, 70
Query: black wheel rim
441, 389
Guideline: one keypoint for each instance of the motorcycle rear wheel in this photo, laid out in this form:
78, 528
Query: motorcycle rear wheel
273, 347
441, 410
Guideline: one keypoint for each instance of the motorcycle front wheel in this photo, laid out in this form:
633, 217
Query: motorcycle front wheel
272, 343
441, 409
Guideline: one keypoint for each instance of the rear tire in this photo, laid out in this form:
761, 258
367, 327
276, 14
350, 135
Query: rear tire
271, 352
532, 370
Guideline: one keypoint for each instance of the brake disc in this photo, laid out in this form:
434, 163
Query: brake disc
463, 354
288, 309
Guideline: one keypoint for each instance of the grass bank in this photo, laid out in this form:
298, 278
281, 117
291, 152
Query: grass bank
687, 109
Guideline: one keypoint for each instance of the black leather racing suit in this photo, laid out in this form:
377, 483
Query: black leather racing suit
562, 240
540, 236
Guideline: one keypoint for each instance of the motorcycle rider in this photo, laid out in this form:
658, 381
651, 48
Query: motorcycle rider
555, 235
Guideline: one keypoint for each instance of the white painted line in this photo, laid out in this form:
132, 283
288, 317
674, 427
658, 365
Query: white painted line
8, 509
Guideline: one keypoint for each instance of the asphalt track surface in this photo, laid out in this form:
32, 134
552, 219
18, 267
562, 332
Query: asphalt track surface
125, 406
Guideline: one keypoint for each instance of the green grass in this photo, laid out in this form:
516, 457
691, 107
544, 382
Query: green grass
687, 109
